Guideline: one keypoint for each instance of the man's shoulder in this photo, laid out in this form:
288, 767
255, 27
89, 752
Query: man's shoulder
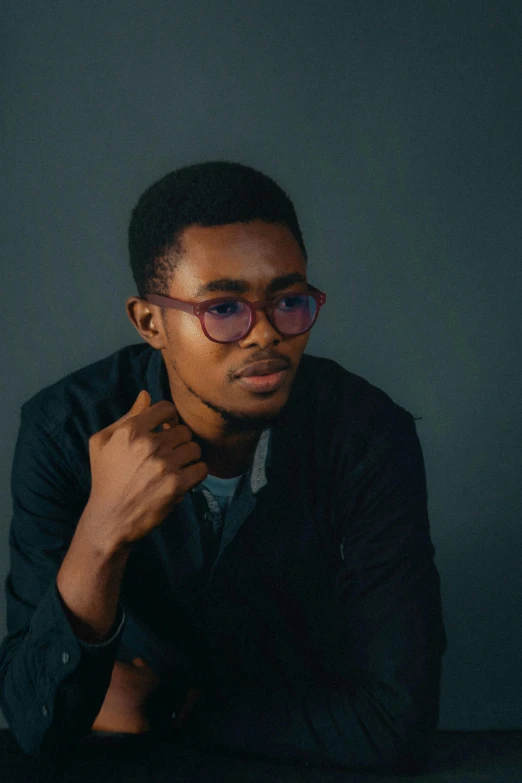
340, 400
333, 383
118, 376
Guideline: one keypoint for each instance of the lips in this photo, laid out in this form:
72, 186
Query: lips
264, 368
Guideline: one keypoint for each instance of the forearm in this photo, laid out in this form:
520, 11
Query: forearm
52, 686
89, 581
53, 680
368, 727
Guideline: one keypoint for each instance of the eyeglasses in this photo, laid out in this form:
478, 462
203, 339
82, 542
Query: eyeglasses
228, 318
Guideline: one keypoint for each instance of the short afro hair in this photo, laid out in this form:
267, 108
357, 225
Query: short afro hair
205, 194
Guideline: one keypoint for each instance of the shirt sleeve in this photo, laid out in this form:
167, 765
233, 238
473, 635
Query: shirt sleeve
52, 684
383, 713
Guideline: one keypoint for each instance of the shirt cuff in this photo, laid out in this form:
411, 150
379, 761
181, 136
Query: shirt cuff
115, 631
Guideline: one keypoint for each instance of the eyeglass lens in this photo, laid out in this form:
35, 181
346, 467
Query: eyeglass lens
230, 321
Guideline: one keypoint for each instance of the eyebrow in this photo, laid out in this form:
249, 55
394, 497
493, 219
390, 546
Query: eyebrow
242, 286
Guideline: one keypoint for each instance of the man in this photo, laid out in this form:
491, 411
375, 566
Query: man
212, 524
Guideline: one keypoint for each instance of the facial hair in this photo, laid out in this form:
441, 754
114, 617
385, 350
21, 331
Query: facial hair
238, 421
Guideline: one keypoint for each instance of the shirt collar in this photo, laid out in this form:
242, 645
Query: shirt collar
158, 386
157, 378
261, 460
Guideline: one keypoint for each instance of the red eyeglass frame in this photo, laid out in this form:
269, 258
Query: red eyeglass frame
200, 308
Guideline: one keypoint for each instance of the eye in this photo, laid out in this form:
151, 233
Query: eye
292, 301
224, 309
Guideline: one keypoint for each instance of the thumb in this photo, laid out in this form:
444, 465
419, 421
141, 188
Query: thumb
141, 403
140, 663
145, 669
143, 399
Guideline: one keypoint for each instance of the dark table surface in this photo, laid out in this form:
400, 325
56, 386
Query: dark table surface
458, 757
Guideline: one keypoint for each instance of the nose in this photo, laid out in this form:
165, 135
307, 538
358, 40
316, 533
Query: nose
261, 332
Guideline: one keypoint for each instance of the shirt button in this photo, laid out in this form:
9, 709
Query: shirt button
45, 711
65, 657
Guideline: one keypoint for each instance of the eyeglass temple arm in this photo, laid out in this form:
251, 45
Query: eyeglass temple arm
166, 301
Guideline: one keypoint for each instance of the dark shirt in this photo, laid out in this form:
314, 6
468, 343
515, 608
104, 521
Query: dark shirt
313, 624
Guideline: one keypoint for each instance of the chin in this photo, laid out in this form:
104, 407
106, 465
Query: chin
257, 417
248, 411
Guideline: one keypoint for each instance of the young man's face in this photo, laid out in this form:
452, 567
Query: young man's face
203, 374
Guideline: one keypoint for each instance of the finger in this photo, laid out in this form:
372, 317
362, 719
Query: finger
152, 417
167, 425
140, 404
172, 422
171, 438
194, 474
144, 668
187, 454
162, 412
179, 457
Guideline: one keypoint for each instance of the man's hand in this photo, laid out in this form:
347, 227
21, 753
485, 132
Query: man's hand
123, 709
138, 475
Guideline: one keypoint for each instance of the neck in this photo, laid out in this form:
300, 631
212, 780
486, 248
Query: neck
227, 446
230, 460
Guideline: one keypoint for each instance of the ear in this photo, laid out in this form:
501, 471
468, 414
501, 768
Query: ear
142, 319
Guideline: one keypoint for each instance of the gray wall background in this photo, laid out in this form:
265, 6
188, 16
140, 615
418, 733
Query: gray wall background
396, 128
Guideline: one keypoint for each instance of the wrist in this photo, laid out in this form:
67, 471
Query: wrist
100, 536
89, 582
